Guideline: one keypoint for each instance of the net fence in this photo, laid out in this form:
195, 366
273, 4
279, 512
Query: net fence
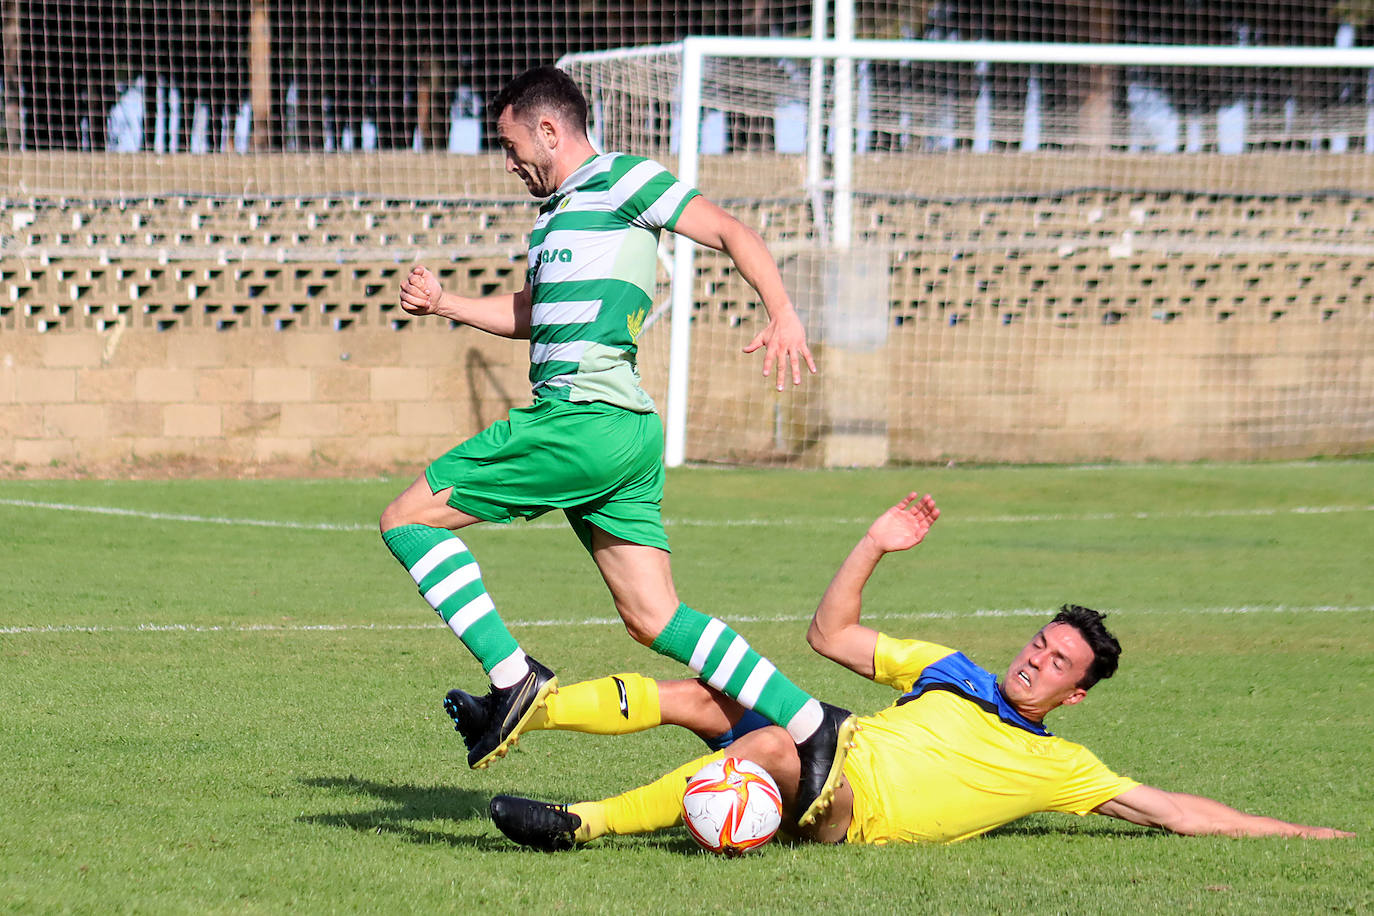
1035, 262
258, 78
1032, 261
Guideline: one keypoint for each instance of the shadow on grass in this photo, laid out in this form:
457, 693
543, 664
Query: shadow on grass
1098, 827
677, 841
404, 805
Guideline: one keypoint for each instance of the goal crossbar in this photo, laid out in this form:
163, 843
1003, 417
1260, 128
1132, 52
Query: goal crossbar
1020, 52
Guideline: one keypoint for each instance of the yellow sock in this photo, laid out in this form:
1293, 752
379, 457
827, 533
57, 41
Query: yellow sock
615, 705
648, 808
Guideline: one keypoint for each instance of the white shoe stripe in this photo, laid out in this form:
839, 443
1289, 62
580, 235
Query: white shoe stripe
726, 669
436, 555
705, 644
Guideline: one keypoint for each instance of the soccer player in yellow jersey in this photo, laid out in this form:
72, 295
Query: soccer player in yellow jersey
958, 754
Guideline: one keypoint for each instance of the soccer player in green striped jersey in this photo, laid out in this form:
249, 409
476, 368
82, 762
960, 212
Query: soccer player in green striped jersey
591, 444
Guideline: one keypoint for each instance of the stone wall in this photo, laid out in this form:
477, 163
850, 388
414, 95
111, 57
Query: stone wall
378, 399
369, 400
1186, 390
1134, 318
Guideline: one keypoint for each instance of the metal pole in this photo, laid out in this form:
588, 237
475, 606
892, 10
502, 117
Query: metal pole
12, 38
815, 109
684, 272
260, 73
1024, 52
843, 128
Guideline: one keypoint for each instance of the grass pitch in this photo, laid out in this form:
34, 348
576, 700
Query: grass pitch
225, 696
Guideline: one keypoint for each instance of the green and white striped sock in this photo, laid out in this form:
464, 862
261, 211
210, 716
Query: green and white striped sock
451, 582
725, 661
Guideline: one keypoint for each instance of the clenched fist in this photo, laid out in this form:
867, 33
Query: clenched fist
421, 292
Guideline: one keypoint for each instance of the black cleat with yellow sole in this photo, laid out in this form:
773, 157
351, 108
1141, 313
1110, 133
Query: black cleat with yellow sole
508, 711
822, 762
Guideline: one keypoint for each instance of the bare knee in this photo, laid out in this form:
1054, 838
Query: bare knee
392, 517
406, 508
400, 512
641, 584
641, 636
645, 617
418, 505
773, 749
774, 746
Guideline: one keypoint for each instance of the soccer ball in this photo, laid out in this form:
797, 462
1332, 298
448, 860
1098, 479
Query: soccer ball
732, 806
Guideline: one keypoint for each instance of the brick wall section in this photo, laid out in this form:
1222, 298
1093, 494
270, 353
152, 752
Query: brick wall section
1044, 346
368, 399
386, 400
1185, 390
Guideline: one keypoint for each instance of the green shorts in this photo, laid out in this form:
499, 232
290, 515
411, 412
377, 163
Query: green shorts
601, 465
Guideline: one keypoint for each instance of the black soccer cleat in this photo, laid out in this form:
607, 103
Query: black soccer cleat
509, 711
538, 825
822, 762
470, 714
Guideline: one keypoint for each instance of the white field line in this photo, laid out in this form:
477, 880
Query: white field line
180, 517
615, 621
1255, 512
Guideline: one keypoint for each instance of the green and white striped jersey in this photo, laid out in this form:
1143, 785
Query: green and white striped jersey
592, 266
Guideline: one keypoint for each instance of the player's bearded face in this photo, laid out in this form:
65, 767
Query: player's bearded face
528, 155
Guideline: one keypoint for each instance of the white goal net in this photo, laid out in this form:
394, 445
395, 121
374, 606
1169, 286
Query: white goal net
1048, 230
1018, 252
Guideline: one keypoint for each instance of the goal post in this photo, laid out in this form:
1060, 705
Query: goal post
1004, 184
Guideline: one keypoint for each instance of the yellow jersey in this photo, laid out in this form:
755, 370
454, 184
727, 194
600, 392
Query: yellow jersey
951, 759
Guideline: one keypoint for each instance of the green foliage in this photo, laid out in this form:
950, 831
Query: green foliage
206, 715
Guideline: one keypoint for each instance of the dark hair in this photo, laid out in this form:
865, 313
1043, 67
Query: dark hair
1106, 650
543, 89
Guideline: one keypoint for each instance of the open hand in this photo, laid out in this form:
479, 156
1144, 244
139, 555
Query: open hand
905, 524
785, 340
1323, 833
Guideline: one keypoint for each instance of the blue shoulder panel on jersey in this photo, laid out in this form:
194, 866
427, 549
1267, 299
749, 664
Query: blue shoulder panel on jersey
958, 674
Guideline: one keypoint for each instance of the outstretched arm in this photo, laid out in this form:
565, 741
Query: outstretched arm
1195, 815
835, 631
784, 338
506, 315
